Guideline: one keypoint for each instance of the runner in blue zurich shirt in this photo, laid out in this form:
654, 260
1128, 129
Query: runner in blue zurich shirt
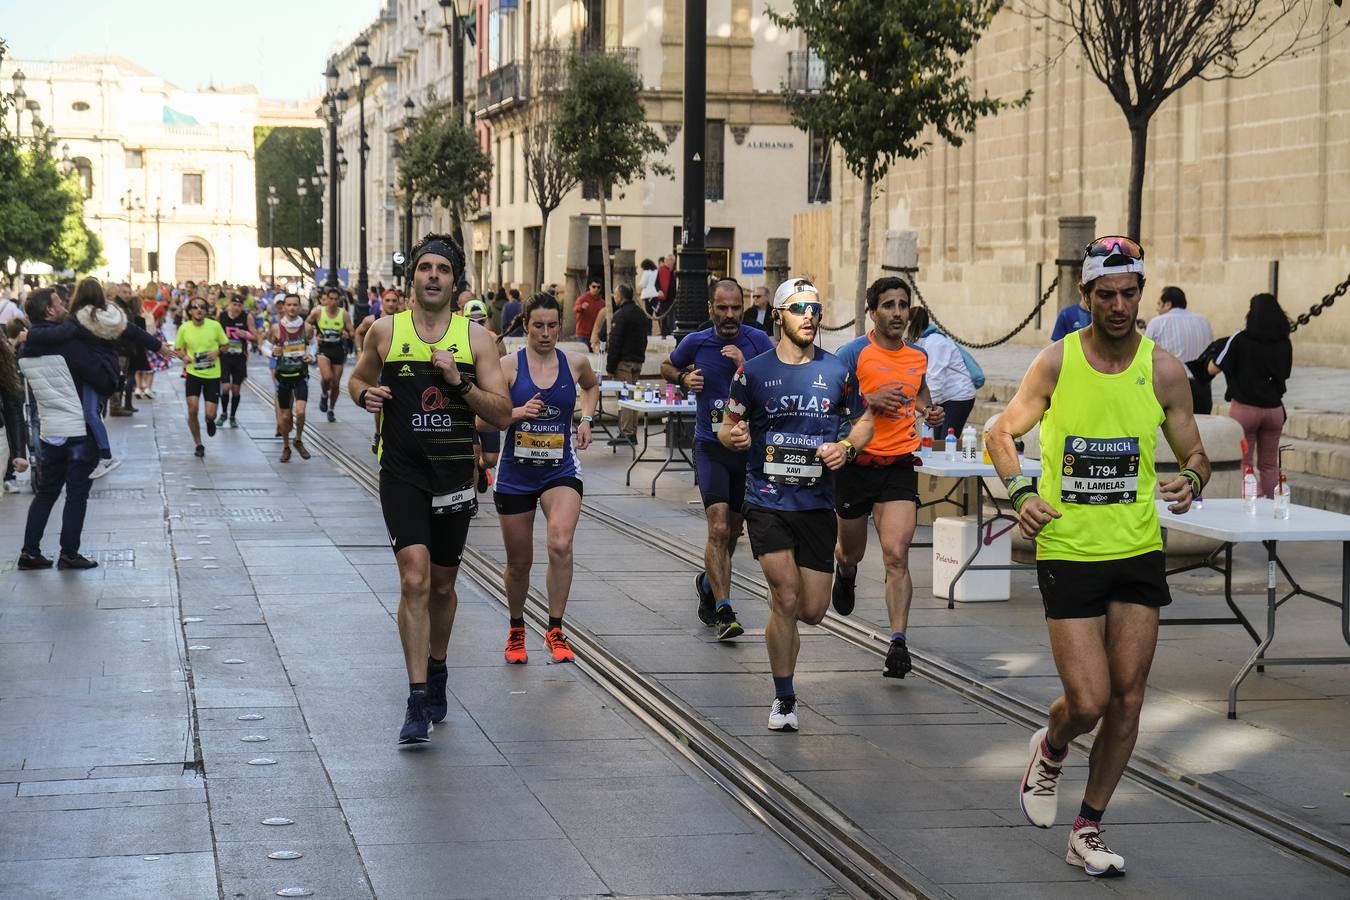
709, 353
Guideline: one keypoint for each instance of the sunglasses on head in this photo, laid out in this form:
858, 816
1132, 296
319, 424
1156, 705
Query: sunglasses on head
1115, 245
806, 308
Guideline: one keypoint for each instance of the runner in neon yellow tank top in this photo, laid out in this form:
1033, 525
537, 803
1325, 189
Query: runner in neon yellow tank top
1100, 395
427, 373
333, 325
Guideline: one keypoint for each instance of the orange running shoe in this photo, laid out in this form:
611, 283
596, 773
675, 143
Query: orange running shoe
557, 644
515, 647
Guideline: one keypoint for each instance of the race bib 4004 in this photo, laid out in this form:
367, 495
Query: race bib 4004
539, 447
1099, 471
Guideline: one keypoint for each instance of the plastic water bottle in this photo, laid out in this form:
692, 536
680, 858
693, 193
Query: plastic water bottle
926, 441
951, 445
1282, 498
649, 394
1249, 491
969, 449
670, 394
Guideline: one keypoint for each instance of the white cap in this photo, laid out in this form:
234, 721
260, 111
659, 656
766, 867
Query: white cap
790, 289
1095, 267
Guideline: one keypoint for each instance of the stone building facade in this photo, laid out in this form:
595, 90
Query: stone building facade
166, 171
1241, 174
762, 170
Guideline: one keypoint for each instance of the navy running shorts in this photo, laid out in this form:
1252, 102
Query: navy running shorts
721, 475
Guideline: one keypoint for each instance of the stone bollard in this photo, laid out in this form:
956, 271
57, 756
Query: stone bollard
775, 263
578, 255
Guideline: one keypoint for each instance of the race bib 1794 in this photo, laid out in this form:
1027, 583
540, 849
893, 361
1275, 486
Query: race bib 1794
1099, 471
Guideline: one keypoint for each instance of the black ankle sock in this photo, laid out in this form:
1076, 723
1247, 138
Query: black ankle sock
417, 687
435, 665
554, 622
518, 623
234, 404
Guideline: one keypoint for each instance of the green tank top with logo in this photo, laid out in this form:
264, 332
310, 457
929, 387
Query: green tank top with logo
1097, 449
330, 328
426, 427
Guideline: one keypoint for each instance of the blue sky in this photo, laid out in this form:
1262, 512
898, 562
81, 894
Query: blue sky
278, 45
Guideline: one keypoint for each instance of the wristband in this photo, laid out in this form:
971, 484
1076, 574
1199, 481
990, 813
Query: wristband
588, 419
361, 398
463, 387
1021, 495
1196, 484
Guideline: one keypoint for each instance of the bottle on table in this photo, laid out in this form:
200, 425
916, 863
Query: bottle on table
1282, 498
926, 441
969, 447
649, 394
950, 445
1249, 491
670, 394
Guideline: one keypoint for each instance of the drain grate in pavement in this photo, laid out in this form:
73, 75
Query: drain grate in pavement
237, 514
116, 559
117, 494
234, 492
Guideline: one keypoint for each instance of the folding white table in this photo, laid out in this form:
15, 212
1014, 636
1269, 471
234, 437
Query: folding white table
972, 475
608, 387
682, 409
1227, 521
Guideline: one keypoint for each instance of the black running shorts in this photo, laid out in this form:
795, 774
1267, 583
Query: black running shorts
1082, 590
857, 488
412, 517
290, 390
809, 534
233, 368
511, 504
721, 475
206, 388
334, 353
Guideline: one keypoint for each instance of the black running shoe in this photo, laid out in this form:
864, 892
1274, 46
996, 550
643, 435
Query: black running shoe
210, 427
332, 417
437, 705
843, 594
727, 626
31, 561
75, 561
417, 725
482, 481
707, 604
323, 403
199, 452
898, 664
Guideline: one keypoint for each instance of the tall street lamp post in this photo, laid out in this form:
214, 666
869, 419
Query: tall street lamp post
301, 191
409, 122
331, 107
691, 280
362, 44
272, 201
19, 96
454, 13
159, 214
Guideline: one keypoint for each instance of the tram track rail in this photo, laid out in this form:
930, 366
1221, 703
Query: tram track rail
1144, 768
822, 835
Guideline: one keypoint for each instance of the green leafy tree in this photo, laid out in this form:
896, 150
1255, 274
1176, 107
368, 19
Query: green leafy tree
603, 133
281, 156
547, 170
894, 71
1144, 53
441, 160
41, 210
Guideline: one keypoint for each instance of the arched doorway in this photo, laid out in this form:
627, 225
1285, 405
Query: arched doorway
192, 263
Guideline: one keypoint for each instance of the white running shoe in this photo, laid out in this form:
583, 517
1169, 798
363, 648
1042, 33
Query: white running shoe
1089, 852
1039, 798
104, 467
12, 486
783, 714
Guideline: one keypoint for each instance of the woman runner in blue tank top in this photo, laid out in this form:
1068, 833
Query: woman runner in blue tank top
539, 468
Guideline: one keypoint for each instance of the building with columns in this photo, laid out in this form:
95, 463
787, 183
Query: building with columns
761, 169
168, 173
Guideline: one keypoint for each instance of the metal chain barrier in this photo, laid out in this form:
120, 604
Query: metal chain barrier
1316, 309
848, 324
986, 345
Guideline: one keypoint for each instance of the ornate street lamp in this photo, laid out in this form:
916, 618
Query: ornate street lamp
333, 113
301, 191
19, 96
454, 15
409, 123
272, 201
363, 64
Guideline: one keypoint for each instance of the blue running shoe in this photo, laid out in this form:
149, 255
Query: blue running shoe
417, 724
437, 705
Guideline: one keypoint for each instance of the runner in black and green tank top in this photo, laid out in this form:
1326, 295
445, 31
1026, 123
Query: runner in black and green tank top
290, 337
1099, 395
417, 372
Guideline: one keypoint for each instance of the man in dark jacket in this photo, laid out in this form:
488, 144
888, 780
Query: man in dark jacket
626, 352
67, 460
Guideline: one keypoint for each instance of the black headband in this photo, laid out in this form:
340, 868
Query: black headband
440, 248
